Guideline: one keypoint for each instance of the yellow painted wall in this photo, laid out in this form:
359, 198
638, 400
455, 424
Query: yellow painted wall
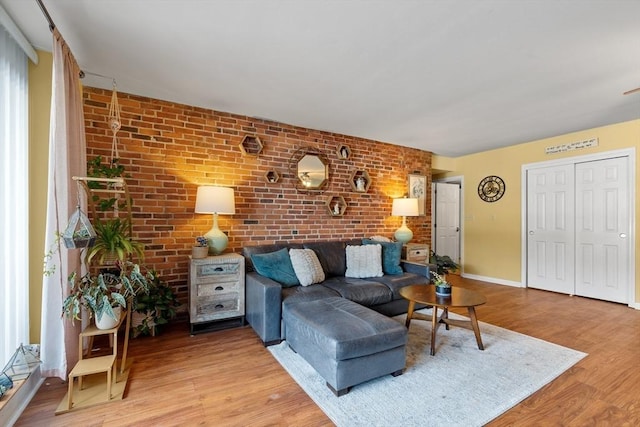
492, 234
39, 108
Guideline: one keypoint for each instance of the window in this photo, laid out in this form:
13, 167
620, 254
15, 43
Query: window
14, 196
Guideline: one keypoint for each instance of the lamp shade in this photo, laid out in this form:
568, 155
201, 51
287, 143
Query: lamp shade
212, 199
405, 207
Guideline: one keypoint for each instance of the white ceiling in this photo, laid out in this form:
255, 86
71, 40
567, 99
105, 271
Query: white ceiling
452, 77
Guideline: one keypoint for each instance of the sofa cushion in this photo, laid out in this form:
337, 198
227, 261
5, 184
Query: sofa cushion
247, 251
395, 283
277, 266
307, 267
391, 255
363, 291
364, 261
343, 330
306, 293
331, 256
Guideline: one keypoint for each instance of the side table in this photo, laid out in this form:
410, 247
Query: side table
216, 292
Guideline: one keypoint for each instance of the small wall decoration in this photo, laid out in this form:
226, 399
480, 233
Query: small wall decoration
418, 190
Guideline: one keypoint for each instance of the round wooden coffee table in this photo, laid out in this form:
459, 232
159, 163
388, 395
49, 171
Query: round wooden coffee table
460, 297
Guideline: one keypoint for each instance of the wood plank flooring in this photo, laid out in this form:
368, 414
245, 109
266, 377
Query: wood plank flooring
227, 378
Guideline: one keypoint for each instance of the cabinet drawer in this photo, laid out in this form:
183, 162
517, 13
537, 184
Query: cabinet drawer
212, 306
417, 254
210, 289
206, 270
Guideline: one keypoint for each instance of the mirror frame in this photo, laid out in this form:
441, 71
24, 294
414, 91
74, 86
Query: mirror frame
294, 161
299, 174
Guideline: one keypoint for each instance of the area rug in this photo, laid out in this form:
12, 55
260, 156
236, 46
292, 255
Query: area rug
459, 386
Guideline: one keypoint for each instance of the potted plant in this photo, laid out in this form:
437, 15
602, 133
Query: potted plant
106, 294
443, 288
155, 308
201, 248
444, 264
113, 242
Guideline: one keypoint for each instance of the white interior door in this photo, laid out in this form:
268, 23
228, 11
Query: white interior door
602, 229
447, 220
550, 229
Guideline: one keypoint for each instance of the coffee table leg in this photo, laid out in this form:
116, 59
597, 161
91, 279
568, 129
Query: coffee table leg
474, 325
412, 305
434, 326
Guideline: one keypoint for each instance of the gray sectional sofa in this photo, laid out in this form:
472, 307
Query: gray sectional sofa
266, 298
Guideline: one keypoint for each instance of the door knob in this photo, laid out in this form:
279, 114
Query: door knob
531, 233
623, 235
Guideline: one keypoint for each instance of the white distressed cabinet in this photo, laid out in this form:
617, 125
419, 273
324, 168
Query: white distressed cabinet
216, 292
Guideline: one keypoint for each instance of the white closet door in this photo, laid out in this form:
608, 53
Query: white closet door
602, 229
550, 228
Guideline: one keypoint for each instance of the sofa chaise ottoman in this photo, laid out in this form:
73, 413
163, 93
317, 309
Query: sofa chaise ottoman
345, 342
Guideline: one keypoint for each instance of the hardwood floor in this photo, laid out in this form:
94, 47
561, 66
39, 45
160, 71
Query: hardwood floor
227, 378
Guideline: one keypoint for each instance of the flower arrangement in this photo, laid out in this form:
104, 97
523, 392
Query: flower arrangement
201, 241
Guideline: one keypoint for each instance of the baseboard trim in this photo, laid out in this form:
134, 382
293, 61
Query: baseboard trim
493, 280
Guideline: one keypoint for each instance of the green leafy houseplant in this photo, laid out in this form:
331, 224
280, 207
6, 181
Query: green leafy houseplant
101, 293
113, 241
154, 308
97, 169
444, 264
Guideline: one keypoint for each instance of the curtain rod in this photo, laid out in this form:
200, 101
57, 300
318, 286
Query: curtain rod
52, 26
45, 12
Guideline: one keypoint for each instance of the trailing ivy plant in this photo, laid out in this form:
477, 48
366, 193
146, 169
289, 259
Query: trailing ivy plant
97, 169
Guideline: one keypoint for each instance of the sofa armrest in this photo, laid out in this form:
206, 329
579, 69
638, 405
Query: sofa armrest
418, 268
264, 307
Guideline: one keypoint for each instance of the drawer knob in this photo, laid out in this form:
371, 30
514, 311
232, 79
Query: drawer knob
219, 288
219, 306
218, 269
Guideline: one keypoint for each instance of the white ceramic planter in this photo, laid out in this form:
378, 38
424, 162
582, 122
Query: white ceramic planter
108, 322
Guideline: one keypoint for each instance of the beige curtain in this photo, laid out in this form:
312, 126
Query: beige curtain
67, 158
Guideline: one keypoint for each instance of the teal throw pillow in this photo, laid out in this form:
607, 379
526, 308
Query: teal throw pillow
276, 266
391, 253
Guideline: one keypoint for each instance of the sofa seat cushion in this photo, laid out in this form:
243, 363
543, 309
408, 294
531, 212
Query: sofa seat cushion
342, 329
394, 283
306, 293
363, 291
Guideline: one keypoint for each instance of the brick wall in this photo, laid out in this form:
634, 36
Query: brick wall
169, 149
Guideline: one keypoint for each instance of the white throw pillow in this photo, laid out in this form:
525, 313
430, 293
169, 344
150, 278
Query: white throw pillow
307, 266
380, 239
364, 261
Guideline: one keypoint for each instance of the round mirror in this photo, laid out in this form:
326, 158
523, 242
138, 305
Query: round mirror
312, 171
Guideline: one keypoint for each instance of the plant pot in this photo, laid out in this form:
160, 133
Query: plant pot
198, 252
443, 291
108, 322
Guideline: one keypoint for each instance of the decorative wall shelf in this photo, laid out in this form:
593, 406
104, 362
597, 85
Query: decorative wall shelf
272, 176
336, 205
343, 152
251, 145
360, 181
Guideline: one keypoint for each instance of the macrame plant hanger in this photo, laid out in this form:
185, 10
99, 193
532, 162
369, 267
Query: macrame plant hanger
114, 123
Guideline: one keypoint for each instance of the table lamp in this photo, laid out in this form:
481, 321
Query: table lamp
404, 207
215, 200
